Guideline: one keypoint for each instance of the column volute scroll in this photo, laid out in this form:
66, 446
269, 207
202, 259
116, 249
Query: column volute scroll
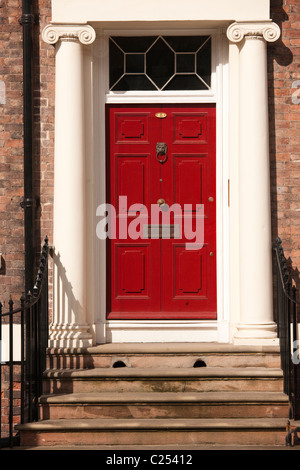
268, 30
84, 33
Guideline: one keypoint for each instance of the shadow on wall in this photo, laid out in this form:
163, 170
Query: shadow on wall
279, 58
66, 308
280, 52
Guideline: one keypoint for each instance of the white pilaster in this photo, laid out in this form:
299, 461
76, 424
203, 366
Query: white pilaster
255, 268
69, 327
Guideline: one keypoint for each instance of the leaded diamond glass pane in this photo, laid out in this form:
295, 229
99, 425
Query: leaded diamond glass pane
134, 63
204, 62
135, 44
185, 82
116, 63
185, 63
160, 63
134, 82
186, 43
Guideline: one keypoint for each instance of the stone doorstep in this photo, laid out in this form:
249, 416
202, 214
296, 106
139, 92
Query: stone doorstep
164, 373
164, 405
164, 355
163, 380
261, 431
155, 424
166, 348
164, 429
165, 397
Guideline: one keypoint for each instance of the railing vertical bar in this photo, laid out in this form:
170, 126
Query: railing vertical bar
11, 373
288, 335
22, 359
34, 336
278, 297
295, 410
40, 347
287, 329
36, 364
1, 348
29, 357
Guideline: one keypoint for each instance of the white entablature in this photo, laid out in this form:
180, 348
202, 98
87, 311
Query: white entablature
81, 11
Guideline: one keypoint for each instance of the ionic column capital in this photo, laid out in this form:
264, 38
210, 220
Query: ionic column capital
84, 33
267, 30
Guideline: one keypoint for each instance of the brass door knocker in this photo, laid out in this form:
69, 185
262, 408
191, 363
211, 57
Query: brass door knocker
161, 149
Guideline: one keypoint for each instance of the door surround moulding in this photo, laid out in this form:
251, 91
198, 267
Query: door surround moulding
168, 331
88, 60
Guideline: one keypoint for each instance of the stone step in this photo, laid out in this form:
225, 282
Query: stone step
201, 379
259, 431
153, 355
164, 405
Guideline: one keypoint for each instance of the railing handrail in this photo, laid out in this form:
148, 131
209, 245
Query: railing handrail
32, 298
285, 281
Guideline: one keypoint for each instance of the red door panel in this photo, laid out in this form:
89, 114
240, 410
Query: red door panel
153, 273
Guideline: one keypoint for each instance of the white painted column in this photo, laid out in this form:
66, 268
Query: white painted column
255, 247
69, 327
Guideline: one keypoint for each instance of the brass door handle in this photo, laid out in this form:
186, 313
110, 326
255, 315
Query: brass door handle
161, 201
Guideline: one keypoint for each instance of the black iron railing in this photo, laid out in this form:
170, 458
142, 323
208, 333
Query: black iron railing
21, 377
287, 326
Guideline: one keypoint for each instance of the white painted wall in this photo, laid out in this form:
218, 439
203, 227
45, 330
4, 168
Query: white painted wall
4, 343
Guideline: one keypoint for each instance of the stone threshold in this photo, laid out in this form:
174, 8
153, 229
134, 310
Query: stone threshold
167, 348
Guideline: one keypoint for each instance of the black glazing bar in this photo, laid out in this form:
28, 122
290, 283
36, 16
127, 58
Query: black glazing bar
11, 373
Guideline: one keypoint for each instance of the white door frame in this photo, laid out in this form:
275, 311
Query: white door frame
162, 330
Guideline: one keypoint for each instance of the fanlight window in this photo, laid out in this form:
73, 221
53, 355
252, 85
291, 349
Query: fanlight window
160, 63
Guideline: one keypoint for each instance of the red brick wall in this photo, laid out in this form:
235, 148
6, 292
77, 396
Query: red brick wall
11, 152
5, 397
44, 90
284, 76
11, 159
11, 141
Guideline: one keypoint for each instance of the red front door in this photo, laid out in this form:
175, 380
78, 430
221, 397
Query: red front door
162, 183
